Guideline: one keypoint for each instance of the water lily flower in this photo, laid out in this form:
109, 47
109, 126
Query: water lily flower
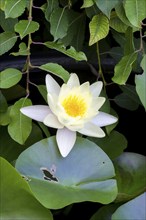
71, 108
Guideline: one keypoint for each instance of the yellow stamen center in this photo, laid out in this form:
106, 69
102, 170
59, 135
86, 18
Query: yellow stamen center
74, 105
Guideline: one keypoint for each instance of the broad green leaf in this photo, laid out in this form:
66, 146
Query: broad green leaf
50, 6
135, 11
17, 200
105, 212
3, 103
56, 69
10, 150
23, 50
9, 77
20, 126
99, 28
106, 6
129, 44
124, 101
5, 117
130, 175
140, 81
90, 12
14, 8
117, 24
7, 24
71, 52
2, 5
87, 3
14, 92
25, 27
7, 41
43, 91
134, 209
123, 68
113, 145
59, 23
84, 175
75, 35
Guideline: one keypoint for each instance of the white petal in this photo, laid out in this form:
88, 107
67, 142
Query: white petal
92, 130
36, 112
52, 121
96, 88
65, 140
103, 119
73, 81
52, 86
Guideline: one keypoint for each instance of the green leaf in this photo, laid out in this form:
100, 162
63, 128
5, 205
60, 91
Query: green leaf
43, 91
116, 23
134, 209
23, 50
7, 24
135, 11
113, 145
106, 6
5, 117
7, 41
14, 8
84, 175
20, 126
130, 175
59, 23
140, 81
25, 27
14, 92
123, 68
10, 150
56, 69
3, 103
2, 5
9, 77
17, 200
87, 3
99, 28
51, 5
71, 52
129, 44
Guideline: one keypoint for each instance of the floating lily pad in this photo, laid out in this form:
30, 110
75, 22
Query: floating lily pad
130, 174
84, 175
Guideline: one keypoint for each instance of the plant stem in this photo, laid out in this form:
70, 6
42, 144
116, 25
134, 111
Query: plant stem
28, 63
99, 64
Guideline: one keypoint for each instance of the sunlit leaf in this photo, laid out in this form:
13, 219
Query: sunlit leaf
87, 3
123, 68
71, 52
59, 23
99, 28
130, 175
17, 200
7, 41
14, 8
134, 209
20, 125
23, 51
84, 175
56, 69
116, 23
25, 27
135, 11
9, 77
140, 81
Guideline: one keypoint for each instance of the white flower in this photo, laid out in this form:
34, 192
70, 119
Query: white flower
72, 108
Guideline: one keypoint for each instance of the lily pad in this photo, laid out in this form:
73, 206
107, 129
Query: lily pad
130, 174
84, 175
